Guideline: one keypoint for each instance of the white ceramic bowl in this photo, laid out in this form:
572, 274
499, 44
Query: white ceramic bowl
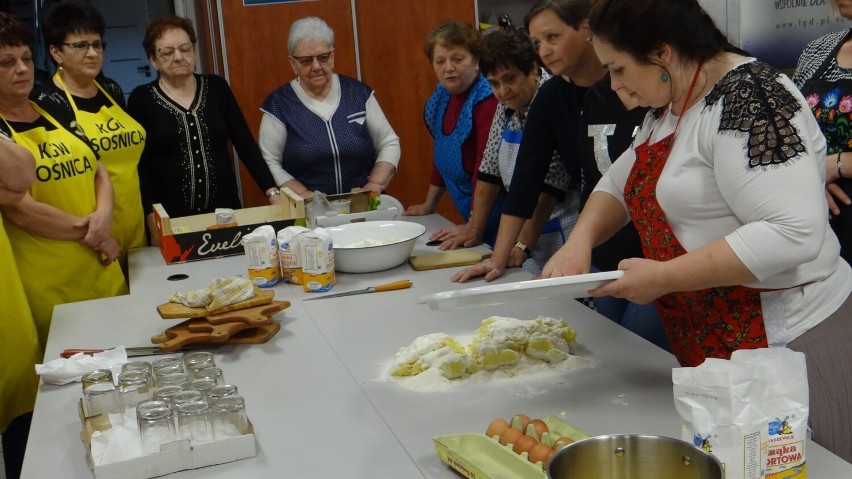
373, 245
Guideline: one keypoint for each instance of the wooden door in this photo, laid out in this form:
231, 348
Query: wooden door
390, 41
256, 55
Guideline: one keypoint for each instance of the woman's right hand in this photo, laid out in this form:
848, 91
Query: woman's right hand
108, 249
418, 210
834, 194
487, 268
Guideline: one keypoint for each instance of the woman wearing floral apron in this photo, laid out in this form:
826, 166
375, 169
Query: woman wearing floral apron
725, 187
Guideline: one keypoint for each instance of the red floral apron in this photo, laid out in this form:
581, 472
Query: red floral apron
711, 322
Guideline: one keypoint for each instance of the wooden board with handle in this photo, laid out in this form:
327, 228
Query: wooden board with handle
447, 259
177, 310
255, 316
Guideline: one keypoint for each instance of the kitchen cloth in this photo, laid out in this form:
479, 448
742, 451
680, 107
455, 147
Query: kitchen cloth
63, 371
220, 293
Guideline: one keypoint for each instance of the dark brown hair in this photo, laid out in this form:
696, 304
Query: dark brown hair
505, 48
453, 33
571, 12
13, 33
641, 27
71, 16
158, 26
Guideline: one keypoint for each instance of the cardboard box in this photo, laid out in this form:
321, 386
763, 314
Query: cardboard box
172, 457
191, 238
364, 206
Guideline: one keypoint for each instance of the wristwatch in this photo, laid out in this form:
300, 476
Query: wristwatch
272, 192
523, 247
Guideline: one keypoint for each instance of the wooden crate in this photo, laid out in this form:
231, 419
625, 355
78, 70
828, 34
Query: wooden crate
191, 238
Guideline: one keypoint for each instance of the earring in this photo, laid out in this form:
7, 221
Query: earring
664, 77
588, 39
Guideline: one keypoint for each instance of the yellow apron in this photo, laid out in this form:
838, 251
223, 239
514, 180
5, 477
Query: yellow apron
119, 140
19, 348
55, 271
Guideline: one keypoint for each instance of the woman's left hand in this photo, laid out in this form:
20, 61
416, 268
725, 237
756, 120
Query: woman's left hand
457, 236
643, 282
275, 199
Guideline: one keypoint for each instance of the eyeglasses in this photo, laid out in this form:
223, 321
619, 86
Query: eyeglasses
169, 51
308, 60
83, 47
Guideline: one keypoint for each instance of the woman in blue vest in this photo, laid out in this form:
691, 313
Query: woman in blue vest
458, 115
323, 131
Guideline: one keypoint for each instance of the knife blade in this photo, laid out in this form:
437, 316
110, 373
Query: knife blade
403, 284
132, 352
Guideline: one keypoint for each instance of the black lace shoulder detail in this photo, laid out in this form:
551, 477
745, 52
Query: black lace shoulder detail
755, 102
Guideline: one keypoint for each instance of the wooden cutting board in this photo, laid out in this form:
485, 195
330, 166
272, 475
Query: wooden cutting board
254, 316
177, 310
257, 335
447, 259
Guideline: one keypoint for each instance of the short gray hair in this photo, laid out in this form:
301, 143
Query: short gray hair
309, 27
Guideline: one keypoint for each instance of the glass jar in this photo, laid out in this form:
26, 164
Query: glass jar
215, 373
99, 393
221, 390
156, 427
197, 361
167, 365
185, 396
229, 417
173, 379
193, 421
140, 366
166, 393
203, 385
133, 388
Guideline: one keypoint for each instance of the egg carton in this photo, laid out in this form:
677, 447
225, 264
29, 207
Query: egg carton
482, 457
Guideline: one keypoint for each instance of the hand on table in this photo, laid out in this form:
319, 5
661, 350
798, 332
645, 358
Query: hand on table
516, 258
643, 282
457, 236
488, 268
418, 210
567, 262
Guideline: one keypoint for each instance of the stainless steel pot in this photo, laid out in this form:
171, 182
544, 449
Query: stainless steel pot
624, 456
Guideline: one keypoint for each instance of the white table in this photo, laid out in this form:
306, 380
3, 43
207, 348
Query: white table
315, 394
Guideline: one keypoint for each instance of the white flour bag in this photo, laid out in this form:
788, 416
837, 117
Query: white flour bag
719, 409
786, 404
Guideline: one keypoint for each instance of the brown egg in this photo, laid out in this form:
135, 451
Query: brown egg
547, 457
497, 427
520, 421
524, 444
561, 442
510, 436
540, 453
540, 428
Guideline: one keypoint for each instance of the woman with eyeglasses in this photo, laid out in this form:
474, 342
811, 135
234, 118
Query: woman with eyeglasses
59, 231
323, 131
190, 120
73, 31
